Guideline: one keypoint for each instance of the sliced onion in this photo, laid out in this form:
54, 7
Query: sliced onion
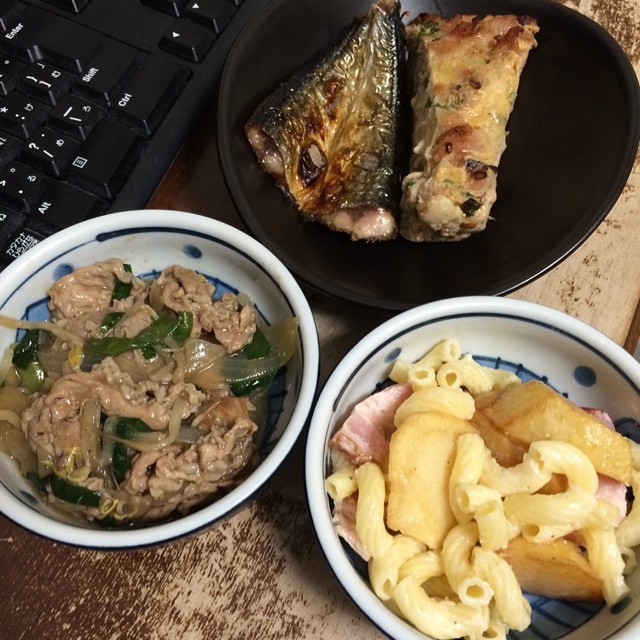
156, 440
59, 332
208, 366
283, 340
189, 435
46, 461
14, 443
180, 361
5, 363
7, 415
200, 355
108, 438
155, 296
53, 358
202, 364
90, 454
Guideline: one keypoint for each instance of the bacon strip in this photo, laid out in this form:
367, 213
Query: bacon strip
364, 435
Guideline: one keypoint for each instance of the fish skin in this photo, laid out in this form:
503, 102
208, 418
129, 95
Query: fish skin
331, 136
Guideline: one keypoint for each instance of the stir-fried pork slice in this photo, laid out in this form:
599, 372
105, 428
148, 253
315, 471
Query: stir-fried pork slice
80, 300
147, 400
185, 290
53, 421
364, 436
133, 322
173, 477
232, 325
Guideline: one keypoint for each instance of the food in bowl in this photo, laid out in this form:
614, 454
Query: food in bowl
539, 363
462, 486
140, 397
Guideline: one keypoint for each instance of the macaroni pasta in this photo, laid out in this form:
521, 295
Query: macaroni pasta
466, 588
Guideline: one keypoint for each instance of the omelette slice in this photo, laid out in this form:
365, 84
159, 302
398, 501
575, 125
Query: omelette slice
464, 73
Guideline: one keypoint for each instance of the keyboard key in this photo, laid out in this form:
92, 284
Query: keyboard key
70, 5
63, 205
149, 94
105, 158
214, 14
20, 115
49, 151
45, 82
17, 243
85, 87
10, 223
9, 11
38, 34
21, 240
75, 116
9, 148
172, 7
10, 72
187, 40
106, 71
20, 186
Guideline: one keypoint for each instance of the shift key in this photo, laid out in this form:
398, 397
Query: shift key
105, 159
150, 93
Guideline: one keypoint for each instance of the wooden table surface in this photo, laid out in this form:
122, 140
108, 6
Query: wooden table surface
261, 574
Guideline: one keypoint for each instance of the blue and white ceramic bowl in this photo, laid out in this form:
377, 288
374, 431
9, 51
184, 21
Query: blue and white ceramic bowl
150, 241
529, 339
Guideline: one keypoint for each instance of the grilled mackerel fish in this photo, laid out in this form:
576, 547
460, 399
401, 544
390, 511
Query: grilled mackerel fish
464, 74
330, 135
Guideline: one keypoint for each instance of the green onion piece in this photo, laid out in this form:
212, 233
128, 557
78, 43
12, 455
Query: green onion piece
150, 336
25, 358
470, 206
34, 478
184, 327
110, 321
74, 493
148, 352
26, 351
246, 386
32, 376
259, 347
122, 290
126, 428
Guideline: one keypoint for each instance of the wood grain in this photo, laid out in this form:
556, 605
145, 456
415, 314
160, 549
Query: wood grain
600, 282
261, 574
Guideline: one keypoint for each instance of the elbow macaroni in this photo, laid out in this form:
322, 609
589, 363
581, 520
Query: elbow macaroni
466, 589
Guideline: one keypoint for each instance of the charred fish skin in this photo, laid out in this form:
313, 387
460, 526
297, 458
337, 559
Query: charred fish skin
332, 135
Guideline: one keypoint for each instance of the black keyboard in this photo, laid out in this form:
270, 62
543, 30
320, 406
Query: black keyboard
96, 98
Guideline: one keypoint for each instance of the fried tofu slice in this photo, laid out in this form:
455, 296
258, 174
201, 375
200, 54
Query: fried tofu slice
511, 419
421, 456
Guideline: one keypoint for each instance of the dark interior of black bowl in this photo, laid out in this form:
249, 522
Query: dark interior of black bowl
572, 140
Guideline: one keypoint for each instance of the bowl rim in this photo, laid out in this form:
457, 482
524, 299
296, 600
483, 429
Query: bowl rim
333, 388
223, 508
